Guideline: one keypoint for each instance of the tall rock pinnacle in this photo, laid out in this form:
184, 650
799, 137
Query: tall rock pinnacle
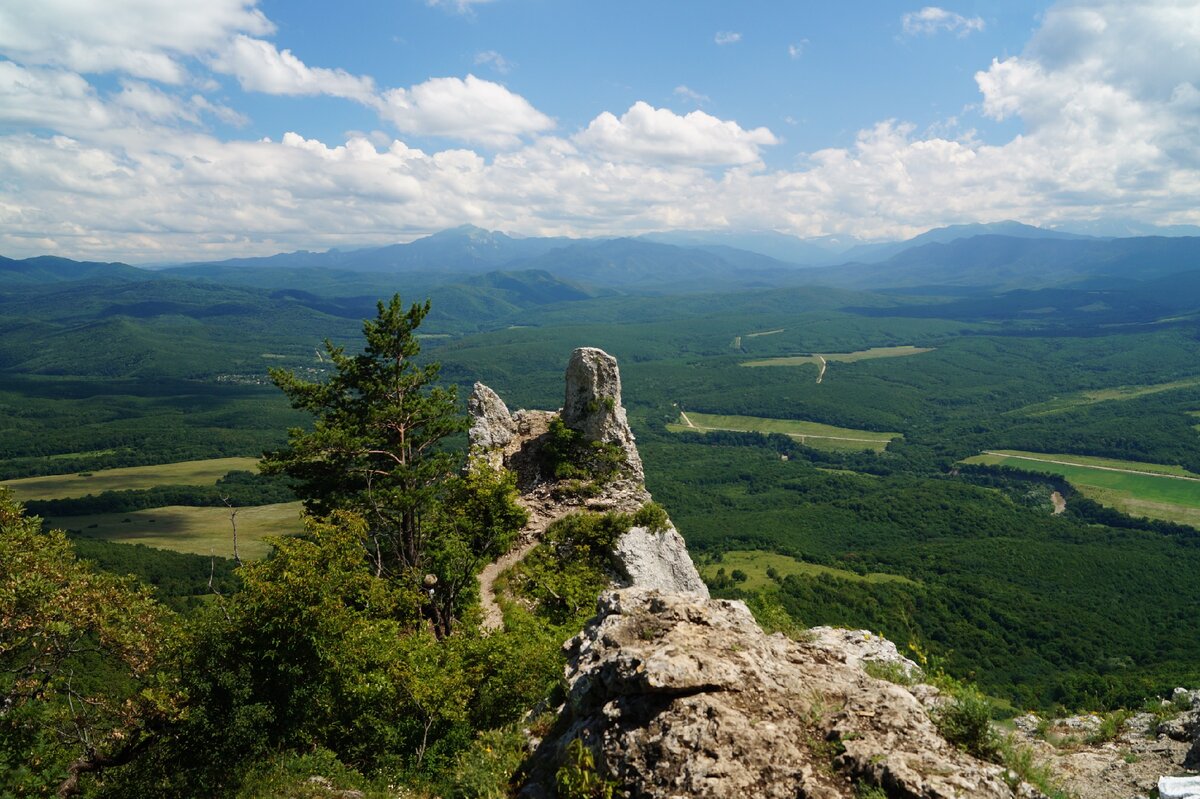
592, 404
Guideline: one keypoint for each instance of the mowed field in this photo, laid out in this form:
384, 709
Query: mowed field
1103, 395
68, 486
180, 528
813, 434
755, 564
201, 531
842, 357
1157, 491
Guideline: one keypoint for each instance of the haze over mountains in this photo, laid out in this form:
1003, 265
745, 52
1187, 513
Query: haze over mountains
998, 256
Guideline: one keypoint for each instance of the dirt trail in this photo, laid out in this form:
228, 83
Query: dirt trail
1091, 466
493, 617
686, 420
821, 374
542, 513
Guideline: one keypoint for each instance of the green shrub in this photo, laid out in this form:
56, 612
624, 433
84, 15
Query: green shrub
577, 778
965, 720
652, 516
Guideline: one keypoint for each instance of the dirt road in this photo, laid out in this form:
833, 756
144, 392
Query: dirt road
821, 374
1091, 466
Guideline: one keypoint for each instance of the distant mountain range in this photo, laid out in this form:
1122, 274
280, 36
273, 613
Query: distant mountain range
999, 256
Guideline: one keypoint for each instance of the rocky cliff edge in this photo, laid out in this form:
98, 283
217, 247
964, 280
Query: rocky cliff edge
679, 695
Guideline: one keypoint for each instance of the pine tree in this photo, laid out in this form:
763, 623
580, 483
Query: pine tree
374, 448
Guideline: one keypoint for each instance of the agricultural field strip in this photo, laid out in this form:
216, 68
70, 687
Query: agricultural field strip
1092, 397
69, 486
1079, 465
841, 357
750, 427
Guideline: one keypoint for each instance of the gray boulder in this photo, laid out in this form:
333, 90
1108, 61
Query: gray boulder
658, 560
492, 426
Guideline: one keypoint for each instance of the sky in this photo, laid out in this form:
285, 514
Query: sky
165, 130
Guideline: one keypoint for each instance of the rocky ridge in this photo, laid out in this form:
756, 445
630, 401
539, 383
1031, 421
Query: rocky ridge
592, 407
679, 695
1129, 765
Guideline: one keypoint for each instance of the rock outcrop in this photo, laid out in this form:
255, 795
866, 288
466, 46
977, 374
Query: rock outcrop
658, 559
685, 697
592, 407
1129, 764
592, 404
492, 426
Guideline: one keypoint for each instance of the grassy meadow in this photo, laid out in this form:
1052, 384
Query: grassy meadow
841, 357
813, 434
1156, 491
200, 531
67, 486
755, 563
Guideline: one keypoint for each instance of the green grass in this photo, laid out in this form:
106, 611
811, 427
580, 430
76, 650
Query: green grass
66, 486
813, 434
755, 564
843, 357
200, 531
1118, 393
1157, 496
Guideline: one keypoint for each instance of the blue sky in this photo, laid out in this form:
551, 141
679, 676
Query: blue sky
149, 130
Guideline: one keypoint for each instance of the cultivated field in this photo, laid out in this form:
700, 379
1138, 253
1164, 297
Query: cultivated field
1157, 491
67, 486
201, 531
813, 434
1103, 395
755, 564
842, 357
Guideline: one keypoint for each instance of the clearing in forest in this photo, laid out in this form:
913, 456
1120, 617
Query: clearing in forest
68, 486
1117, 393
1153, 490
754, 564
200, 531
842, 357
813, 434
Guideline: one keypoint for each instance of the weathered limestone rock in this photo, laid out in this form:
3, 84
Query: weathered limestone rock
859, 647
592, 404
492, 426
658, 560
684, 697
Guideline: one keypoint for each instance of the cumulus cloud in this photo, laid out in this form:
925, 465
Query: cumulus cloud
142, 38
260, 67
796, 49
1107, 95
727, 37
645, 133
931, 19
473, 110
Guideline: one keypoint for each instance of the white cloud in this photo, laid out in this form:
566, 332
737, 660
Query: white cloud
260, 67
458, 6
644, 133
796, 49
684, 93
727, 37
142, 38
931, 19
473, 110
1107, 95
495, 60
